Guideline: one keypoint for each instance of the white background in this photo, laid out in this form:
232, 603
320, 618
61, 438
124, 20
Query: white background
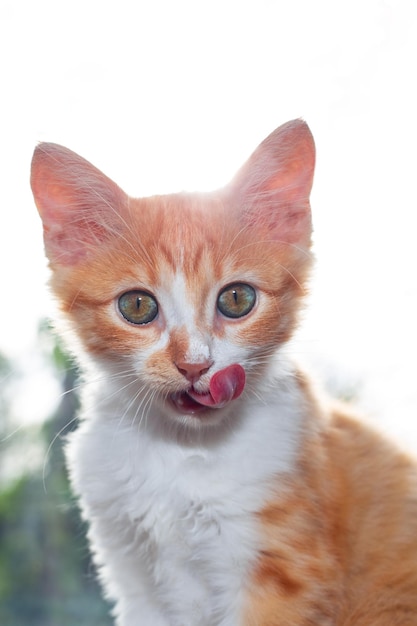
165, 96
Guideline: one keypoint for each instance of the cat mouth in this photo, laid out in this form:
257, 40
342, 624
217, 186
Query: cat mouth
225, 385
192, 402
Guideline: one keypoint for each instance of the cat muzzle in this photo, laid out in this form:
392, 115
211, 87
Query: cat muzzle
225, 385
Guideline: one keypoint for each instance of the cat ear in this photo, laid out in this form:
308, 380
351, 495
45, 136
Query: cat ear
271, 191
79, 206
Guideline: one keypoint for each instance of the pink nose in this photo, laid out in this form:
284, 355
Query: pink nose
193, 371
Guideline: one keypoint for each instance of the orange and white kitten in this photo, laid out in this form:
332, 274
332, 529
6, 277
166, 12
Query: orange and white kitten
218, 489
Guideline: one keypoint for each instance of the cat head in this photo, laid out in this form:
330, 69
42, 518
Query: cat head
190, 294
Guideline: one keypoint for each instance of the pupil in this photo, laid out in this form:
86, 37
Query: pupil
138, 303
234, 295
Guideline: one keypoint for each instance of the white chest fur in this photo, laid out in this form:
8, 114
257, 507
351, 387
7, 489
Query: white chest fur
171, 523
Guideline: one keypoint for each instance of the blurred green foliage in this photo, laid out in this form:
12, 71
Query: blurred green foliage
46, 575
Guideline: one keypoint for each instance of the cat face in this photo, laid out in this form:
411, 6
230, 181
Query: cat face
191, 294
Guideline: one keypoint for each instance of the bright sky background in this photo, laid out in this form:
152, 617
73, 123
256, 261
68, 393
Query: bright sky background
170, 95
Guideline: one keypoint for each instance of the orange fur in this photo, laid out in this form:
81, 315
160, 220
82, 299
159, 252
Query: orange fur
341, 547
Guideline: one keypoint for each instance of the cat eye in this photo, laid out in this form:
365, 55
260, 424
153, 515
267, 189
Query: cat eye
236, 300
138, 307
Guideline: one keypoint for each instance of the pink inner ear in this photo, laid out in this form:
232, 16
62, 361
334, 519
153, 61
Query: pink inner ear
77, 203
272, 189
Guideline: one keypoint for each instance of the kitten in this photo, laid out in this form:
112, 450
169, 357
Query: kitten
219, 490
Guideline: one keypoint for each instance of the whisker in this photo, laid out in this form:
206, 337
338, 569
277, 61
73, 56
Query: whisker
11, 434
146, 406
48, 451
131, 403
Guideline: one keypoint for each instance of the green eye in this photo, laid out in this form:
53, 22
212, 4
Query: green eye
138, 307
236, 300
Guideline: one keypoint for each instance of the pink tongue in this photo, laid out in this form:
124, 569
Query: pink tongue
225, 385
